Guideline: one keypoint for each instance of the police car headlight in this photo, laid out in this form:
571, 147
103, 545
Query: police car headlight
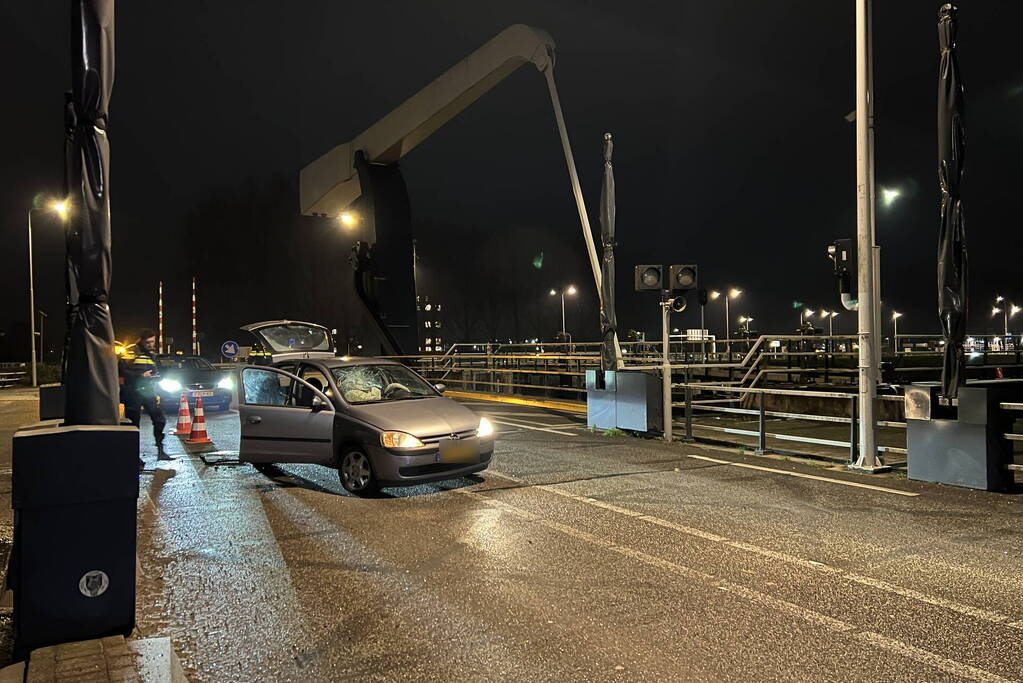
399, 440
226, 383
170, 385
485, 428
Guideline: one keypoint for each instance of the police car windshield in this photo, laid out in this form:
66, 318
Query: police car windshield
282, 338
185, 363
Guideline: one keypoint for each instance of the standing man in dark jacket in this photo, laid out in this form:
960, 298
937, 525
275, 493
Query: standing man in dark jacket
140, 372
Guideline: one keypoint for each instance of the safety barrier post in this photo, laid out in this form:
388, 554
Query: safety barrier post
689, 412
762, 425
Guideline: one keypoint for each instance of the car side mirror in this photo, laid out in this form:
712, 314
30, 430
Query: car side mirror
440, 388
319, 404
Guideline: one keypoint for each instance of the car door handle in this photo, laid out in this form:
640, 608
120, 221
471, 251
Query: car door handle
255, 420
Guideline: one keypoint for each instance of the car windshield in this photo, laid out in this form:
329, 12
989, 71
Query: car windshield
380, 383
184, 363
295, 337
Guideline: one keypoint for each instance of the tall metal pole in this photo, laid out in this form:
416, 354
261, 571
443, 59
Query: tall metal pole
195, 333
728, 329
32, 301
867, 459
563, 330
42, 349
703, 334
666, 368
159, 314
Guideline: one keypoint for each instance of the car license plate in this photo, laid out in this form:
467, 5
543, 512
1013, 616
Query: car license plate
459, 450
202, 394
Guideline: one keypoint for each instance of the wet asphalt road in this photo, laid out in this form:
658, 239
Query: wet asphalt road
579, 557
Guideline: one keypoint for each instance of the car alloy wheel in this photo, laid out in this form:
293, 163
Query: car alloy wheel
356, 473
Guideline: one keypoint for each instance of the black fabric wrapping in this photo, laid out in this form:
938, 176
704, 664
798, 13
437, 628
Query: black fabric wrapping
90, 364
953, 305
608, 319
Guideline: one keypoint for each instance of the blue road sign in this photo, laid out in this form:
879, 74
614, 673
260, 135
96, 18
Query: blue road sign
229, 349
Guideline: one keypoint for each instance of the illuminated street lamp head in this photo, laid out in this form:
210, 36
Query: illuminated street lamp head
61, 209
808, 313
713, 295
348, 219
999, 299
890, 194
834, 314
896, 315
571, 290
995, 310
554, 292
1014, 310
733, 292
824, 313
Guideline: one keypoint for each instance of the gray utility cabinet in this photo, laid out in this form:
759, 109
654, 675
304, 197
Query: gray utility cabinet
72, 567
627, 399
964, 444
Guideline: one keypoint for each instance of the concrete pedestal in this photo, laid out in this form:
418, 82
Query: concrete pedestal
628, 399
73, 562
962, 444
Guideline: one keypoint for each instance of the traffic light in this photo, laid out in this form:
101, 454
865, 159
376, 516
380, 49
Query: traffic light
649, 278
702, 295
843, 253
682, 278
677, 304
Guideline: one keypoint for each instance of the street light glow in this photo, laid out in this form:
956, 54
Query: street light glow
61, 209
890, 194
348, 219
713, 295
896, 315
824, 313
733, 292
554, 293
571, 290
999, 299
995, 311
1014, 310
808, 313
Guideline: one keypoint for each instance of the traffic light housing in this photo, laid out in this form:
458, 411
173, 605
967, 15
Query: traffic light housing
649, 278
677, 304
702, 295
843, 254
682, 278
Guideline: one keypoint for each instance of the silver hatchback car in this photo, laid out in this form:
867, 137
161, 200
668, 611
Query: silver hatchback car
377, 421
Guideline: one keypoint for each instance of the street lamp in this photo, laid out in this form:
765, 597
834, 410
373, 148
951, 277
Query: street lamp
733, 293
1009, 309
62, 209
895, 334
571, 291
889, 195
42, 349
348, 219
804, 316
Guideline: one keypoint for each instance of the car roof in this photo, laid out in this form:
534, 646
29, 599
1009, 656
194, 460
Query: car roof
342, 361
175, 356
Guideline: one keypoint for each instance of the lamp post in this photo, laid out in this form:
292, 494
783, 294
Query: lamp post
570, 290
733, 293
895, 333
61, 209
1009, 309
42, 349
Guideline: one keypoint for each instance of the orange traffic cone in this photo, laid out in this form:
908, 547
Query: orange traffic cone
198, 434
184, 427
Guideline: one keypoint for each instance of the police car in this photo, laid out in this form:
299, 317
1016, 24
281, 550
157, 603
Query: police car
196, 378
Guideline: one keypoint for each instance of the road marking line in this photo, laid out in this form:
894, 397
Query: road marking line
956, 669
964, 609
801, 475
950, 666
538, 429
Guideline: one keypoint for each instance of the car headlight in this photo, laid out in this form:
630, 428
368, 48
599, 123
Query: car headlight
485, 428
226, 383
170, 385
399, 440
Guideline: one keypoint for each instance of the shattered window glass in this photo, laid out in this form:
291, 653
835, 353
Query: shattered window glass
295, 337
264, 387
380, 383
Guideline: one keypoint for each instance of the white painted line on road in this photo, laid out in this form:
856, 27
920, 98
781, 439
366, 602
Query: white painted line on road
801, 475
538, 429
958, 669
967, 610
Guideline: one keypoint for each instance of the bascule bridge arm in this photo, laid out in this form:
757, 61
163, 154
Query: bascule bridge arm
331, 184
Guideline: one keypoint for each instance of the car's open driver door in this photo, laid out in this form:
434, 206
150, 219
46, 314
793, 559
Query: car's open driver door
283, 419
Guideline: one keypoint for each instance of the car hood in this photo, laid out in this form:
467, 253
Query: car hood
421, 417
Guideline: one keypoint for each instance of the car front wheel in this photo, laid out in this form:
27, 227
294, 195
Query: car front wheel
356, 473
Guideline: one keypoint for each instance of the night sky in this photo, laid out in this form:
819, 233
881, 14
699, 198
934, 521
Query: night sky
731, 151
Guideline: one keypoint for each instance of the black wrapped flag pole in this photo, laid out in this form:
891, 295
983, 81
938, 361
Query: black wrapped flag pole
608, 321
953, 304
91, 368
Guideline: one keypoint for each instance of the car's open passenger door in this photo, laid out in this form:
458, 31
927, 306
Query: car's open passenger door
283, 419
